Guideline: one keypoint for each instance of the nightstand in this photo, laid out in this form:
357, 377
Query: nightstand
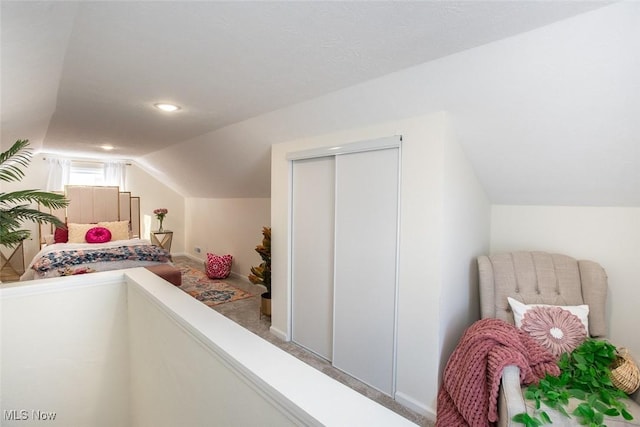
162, 239
11, 264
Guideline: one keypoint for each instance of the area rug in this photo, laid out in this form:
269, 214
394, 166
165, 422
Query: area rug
208, 291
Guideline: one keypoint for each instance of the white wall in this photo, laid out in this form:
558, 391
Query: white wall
155, 194
467, 216
424, 269
227, 226
608, 235
65, 349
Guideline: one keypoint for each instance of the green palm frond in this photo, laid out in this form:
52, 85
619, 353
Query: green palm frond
15, 206
11, 239
49, 200
18, 214
13, 160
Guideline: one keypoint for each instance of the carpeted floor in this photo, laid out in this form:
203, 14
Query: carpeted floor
246, 312
208, 291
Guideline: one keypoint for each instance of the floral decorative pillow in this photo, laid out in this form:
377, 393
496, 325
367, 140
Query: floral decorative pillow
218, 266
560, 329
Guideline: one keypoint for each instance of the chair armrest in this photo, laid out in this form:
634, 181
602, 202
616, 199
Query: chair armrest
511, 401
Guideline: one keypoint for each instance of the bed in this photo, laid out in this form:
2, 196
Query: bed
102, 234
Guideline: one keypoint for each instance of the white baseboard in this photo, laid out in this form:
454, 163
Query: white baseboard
242, 277
415, 406
278, 333
180, 254
193, 257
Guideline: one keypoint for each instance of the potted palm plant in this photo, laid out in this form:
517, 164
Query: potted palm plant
261, 275
15, 207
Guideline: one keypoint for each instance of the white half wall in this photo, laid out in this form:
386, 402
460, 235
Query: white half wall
64, 350
227, 226
125, 348
607, 235
424, 265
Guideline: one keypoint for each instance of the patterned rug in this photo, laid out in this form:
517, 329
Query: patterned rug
209, 291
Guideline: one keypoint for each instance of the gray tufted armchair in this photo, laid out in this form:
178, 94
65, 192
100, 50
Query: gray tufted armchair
543, 278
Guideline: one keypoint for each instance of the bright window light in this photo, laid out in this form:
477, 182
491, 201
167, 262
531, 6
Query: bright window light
86, 173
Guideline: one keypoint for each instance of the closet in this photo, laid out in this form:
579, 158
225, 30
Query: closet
344, 256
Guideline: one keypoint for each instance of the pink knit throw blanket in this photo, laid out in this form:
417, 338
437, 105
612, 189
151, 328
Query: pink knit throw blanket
468, 395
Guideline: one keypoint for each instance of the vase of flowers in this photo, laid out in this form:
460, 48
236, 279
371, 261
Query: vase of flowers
160, 213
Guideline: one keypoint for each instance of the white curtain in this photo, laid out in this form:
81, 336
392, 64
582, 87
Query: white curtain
115, 174
59, 173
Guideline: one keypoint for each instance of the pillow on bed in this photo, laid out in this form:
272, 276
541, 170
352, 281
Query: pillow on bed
560, 329
78, 231
98, 235
119, 229
61, 235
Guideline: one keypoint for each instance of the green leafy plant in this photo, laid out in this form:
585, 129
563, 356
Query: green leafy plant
15, 206
261, 275
584, 375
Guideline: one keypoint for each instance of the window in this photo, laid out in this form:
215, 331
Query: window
86, 173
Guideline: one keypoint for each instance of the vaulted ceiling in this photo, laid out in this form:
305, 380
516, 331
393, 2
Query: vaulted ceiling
77, 75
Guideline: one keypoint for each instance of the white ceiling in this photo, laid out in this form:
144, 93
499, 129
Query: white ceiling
76, 75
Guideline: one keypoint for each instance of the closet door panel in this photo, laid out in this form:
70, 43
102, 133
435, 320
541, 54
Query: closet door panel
365, 266
312, 255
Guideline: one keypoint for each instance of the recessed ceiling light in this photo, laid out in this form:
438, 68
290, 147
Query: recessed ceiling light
107, 147
166, 107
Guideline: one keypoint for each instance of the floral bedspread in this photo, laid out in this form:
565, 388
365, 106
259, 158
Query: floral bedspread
67, 259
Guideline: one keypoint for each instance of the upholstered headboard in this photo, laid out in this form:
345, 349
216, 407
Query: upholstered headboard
89, 204
542, 278
92, 204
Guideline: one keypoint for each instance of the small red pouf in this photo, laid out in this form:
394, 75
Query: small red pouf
167, 272
218, 266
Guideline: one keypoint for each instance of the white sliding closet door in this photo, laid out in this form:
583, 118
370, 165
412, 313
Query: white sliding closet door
365, 258
313, 210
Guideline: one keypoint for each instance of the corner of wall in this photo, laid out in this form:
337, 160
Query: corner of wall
466, 235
